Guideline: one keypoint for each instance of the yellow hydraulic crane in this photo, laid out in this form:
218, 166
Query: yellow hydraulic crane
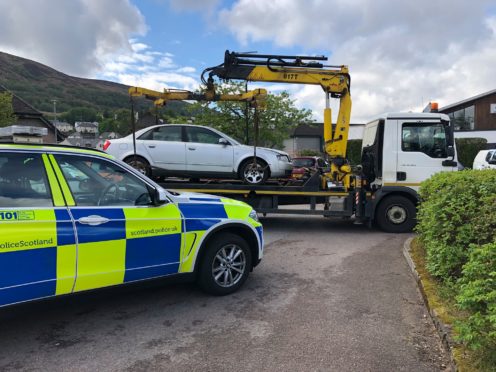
334, 80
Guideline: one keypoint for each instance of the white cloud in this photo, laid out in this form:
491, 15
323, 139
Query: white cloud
401, 54
70, 36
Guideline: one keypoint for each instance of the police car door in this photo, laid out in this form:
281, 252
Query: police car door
121, 235
37, 242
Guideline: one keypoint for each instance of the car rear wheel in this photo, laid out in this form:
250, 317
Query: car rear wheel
254, 174
140, 164
225, 265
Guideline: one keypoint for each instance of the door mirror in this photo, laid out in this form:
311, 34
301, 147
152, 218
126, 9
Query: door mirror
223, 142
161, 196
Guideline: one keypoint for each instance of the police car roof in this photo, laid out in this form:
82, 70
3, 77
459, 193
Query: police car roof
52, 147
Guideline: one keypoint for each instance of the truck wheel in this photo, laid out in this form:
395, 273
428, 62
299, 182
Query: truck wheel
225, 265
254, 174
396, 214
140, 164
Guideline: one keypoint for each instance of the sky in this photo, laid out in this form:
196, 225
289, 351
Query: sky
401, 54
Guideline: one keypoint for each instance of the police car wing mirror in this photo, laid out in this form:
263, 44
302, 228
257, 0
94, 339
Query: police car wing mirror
161, 196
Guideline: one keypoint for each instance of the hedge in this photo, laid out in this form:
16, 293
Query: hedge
457, 226
467, 149
354, 151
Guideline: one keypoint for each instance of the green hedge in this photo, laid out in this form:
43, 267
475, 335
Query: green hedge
457, 226
467, 149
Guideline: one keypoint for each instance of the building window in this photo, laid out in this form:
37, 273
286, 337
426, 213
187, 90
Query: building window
463, 119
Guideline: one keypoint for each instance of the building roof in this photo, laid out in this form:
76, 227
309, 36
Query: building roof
468, 100
23, 109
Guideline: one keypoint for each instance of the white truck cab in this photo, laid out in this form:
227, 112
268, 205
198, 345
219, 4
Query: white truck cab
399, 151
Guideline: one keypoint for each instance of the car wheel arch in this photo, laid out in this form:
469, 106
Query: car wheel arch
244, 231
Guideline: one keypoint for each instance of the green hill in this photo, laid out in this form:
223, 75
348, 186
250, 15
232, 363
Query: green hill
38, 85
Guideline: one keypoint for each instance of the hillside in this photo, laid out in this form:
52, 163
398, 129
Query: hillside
38, 85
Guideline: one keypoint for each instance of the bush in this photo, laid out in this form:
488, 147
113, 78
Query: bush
478, 296
354, 151
310, 152
467, 149
456, 213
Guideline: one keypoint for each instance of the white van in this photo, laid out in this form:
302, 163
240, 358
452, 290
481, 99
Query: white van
485, 159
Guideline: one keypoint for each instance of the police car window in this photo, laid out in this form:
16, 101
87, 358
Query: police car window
23, 181
98, 182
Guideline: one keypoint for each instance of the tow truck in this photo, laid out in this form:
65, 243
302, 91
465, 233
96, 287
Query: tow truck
399, 150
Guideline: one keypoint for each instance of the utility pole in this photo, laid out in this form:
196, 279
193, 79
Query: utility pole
55, 117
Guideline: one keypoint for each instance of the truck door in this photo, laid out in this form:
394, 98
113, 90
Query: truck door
423, 148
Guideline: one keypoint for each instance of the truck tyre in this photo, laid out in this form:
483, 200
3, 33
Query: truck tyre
225, 264
140, 164
254, 175
396, 214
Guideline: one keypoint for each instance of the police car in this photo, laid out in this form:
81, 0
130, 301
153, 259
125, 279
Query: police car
75, 219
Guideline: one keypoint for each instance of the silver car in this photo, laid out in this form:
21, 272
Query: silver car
192, 151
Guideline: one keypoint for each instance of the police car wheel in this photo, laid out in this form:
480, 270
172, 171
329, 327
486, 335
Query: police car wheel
226, 264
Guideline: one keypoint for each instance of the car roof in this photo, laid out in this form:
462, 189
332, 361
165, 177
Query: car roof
53, 148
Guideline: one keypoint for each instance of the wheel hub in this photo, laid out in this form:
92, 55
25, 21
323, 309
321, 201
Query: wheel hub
397, 214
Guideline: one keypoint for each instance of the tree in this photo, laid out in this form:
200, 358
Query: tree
79, 114
7, 116
119, 122
276, 121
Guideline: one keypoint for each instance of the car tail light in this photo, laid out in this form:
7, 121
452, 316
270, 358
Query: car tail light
106, 145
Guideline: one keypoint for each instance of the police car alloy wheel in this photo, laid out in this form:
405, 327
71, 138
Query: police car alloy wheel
226, 264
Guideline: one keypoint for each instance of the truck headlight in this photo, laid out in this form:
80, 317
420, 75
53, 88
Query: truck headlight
253, 215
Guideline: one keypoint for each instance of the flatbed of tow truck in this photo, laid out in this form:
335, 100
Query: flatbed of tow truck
276, 197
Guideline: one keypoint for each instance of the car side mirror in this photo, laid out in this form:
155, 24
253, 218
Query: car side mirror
161, 196
223, 142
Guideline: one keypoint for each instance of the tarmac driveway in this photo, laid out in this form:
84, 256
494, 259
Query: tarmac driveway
328, 296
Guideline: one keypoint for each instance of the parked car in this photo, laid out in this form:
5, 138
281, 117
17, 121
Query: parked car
75, 219
305, 166
193, 151
485, 159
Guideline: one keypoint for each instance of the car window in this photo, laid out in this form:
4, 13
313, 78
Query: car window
165, 133
23, 181
429, 139
202, 135
98, 182
303, 162
491, 156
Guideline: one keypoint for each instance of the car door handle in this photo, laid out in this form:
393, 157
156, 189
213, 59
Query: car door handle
192, 148
151, 146
93, 220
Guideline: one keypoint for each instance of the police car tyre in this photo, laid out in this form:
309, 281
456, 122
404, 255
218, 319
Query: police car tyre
396, 214
254, 174
140, 164
226, 264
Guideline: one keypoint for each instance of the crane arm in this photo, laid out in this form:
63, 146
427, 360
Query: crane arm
255, 97
334, 80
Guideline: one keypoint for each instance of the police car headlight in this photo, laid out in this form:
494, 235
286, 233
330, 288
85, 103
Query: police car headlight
253, 215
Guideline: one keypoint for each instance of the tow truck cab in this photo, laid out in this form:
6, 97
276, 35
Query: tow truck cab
399, 151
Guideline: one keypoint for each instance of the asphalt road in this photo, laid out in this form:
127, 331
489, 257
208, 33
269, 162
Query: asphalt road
328, 296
